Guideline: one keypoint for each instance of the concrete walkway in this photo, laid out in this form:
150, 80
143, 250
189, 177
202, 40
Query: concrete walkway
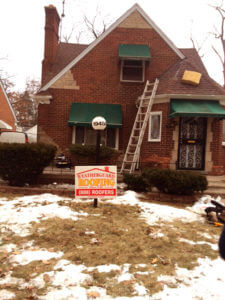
216, 186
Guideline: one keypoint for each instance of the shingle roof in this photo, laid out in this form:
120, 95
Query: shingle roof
65, 54
170, 81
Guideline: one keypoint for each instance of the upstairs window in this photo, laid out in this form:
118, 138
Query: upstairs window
133, 58
132, 70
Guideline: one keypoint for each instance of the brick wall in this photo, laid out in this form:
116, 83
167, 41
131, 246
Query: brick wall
218, 151
98, 78
159, 153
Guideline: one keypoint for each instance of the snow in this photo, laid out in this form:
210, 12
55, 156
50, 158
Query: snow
206, 281
28, 256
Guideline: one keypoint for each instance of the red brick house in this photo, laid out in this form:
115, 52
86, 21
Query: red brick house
107, 77
7, 114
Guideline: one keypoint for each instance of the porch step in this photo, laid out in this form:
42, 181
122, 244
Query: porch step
216, 186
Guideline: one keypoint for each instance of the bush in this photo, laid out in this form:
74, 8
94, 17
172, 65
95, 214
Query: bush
175, 182
23, 163
135, 182
89, 151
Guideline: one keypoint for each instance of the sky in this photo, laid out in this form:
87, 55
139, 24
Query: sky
22, 28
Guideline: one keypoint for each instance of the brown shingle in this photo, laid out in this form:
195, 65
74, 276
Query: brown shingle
65, 54
170, 81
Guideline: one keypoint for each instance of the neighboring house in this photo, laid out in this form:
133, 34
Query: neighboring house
32, 134
7, 114
107, 78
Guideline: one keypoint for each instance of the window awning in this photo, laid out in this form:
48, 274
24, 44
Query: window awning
82, 114
196, 108
134, 52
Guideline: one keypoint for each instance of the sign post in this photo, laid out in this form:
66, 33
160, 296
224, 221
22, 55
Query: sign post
99, 124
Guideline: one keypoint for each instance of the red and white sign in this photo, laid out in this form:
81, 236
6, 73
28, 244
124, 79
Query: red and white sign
95, 181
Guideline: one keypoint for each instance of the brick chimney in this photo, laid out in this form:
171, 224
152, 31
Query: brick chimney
51, 39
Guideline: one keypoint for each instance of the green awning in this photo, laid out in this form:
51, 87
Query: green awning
196, 108
133, 51
82, 114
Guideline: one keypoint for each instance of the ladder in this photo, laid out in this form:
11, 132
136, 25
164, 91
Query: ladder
132, 153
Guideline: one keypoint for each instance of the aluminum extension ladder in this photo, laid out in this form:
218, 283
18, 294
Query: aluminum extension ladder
131, 157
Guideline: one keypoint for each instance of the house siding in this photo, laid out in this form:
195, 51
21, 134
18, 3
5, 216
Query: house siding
6, 114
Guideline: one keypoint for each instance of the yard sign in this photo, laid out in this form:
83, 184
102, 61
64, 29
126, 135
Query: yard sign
95, 181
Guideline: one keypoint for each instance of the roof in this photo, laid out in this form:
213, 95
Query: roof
170, 81
66, 52
71, 59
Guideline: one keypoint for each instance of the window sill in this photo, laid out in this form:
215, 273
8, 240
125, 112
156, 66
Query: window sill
154, 141
131, 81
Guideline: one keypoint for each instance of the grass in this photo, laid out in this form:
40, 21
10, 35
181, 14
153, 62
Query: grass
120, 237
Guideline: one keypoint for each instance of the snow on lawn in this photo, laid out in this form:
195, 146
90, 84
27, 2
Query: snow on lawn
206, 281
18, 214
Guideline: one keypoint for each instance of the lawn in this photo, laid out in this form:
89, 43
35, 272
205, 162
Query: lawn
60, 248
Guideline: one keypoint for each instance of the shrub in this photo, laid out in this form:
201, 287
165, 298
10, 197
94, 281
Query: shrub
89, 151
135, 182
23, 163
175, 182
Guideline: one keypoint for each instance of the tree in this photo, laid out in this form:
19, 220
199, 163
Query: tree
5, 78
24, 104
219, 34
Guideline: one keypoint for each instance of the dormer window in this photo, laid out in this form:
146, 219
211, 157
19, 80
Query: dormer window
133, 61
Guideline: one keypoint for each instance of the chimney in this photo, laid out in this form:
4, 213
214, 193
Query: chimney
52, 21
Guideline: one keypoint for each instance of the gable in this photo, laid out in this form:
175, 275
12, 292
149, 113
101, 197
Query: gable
135, 20
135, 16
6, 111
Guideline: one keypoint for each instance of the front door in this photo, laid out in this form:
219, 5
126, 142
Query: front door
192, 137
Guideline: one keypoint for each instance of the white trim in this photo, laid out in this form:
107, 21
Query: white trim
153, 113
143, 72
223, 133
109, 30
73, 134
42, 99
9, 103
117, 139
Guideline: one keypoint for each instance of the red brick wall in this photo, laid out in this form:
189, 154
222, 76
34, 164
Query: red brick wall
5, 111
98, 76
51, 39
159, 152
218, 151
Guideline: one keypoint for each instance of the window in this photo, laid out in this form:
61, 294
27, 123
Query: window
223, 141
155, 122
132, 70
87, 136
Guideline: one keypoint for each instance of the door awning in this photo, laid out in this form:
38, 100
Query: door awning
134, 52
196, 108
82, 114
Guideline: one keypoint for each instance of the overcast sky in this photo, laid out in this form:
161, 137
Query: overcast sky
22, 28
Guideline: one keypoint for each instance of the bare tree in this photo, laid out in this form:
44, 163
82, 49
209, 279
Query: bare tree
6, 79
92, 26
218, 34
